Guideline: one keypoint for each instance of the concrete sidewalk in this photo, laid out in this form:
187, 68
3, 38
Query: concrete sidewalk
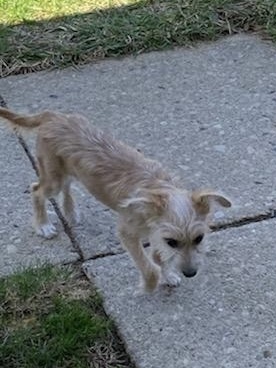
19, 245
225, 317
208, 114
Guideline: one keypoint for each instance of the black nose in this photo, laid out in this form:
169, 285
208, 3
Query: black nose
190, 273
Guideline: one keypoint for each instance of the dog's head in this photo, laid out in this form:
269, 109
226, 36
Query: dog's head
178, 223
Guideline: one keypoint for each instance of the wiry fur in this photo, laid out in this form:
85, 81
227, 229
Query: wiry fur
149, 203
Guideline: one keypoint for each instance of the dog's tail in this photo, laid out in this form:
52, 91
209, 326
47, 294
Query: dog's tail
30, 121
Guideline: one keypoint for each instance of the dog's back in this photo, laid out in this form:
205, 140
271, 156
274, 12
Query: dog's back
104, 164
92, 156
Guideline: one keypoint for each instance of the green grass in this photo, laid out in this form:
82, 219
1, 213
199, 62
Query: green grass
109, 30
17, 11
50, 318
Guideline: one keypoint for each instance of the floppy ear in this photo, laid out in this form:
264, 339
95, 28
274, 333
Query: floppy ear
145, 200
204, 199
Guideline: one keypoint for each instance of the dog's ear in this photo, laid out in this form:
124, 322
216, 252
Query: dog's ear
203, 200
147, 199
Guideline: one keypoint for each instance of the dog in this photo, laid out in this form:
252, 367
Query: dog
149, 202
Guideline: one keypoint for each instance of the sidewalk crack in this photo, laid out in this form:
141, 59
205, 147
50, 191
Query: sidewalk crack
268, 215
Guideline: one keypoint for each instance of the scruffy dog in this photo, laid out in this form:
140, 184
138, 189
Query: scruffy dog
148, 201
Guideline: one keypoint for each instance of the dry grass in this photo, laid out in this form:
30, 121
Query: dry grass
52, 317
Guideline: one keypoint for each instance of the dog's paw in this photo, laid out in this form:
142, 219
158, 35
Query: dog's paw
171, 279
47, 231
143, 289
149, 283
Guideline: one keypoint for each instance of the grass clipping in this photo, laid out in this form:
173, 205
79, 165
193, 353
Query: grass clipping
131, 29
49, 317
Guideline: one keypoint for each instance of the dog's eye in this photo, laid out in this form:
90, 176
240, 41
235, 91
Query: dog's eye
198, 239
172, 242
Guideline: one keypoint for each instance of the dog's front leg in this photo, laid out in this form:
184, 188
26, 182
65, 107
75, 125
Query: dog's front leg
169, 276
149, 270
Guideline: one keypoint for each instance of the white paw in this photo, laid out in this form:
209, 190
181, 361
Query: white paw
171, 279
47, 231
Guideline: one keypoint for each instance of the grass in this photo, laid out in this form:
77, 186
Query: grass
17, 11
50, 318
55, 36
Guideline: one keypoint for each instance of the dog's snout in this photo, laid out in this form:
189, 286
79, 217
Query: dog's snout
190, 273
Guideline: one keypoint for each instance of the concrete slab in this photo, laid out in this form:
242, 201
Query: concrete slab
19, 245
224, 317
208, 113
96, 233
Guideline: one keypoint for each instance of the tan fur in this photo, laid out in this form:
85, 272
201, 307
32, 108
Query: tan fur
149, 203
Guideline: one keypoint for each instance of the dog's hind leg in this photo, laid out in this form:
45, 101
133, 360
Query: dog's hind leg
49, 185
42, 224
149, 270
70, 211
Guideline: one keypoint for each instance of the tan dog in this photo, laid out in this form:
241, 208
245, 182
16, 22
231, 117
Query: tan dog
149, 203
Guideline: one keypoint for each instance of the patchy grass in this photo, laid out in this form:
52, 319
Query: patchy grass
136, 27
50, 318
17, 11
